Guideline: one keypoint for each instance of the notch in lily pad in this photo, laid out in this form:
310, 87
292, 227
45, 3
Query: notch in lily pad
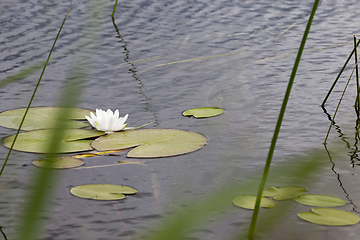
43, 117
330, 217
102, 191
73, 140
248, 202
284, 193
152, 143
203, 112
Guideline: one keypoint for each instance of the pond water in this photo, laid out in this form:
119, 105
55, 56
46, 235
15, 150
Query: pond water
162, 58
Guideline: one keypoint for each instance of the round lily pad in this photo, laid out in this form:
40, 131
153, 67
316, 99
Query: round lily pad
43, 117
59, 162
284, 193
329, 216
102, 191
248, 202
320, 200
151, 143
74, 140
203, 112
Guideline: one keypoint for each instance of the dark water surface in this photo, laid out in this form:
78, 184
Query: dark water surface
166, 57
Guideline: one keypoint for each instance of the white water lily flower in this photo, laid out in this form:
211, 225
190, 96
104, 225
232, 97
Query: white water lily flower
108, 121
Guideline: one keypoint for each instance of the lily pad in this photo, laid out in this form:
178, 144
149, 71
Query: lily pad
320, 200
59, 162
151, 143
329, 216
248, 202
102, 191
284, 193
203, 112
42, 117
73, 140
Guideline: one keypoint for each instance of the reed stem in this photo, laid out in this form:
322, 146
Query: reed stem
112, 15
338, 76
34, 92
278, 125
357, 105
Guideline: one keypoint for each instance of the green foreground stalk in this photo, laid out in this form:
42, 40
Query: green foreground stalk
278, 125
34, 92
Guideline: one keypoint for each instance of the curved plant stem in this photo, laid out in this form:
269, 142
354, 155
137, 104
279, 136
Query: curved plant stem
33, 95
278, 125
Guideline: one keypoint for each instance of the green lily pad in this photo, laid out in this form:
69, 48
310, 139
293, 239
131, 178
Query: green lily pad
59, 162
329, 216
102, 191
73, 140
248, 202
284, 193
320, 200
42, 117
151, 143
203, 112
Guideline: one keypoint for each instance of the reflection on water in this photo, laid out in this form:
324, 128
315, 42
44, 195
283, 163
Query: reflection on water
133, 71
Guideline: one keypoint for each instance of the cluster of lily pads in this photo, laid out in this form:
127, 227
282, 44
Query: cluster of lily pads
110, 135
322, 215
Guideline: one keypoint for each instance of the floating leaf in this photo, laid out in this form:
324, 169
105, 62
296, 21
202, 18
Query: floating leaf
329, 216
102, 191
37, 140
203, 112
59, 162
248, 202
284, 193
152, 143
42, 117
320, 200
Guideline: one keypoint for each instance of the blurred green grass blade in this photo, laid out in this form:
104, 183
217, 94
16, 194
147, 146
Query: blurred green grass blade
278, 124
34, 92
40, 194
179, 224
22, 74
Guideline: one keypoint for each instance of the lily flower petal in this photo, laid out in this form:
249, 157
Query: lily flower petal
108, 121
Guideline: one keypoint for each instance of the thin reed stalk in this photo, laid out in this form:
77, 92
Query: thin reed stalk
338, 106
34, 92
357, 106
339, 74
112, 15
278, 125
